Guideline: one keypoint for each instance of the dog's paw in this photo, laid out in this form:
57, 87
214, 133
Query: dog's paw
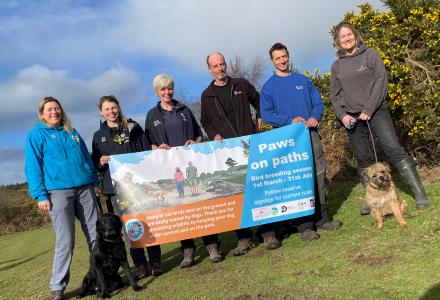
137, 288
104, 294
403, 224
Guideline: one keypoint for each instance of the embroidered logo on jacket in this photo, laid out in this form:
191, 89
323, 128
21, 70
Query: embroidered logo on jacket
361, 68
183, 117
237, 93
103, 139
299, 87
156, 123
75, 138
53, 135
121, 139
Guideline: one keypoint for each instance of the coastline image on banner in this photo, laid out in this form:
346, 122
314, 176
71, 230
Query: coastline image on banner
185, 192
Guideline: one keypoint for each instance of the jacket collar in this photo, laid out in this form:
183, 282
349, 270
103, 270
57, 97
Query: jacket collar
176, 104
42, 125
210, 89
359, 51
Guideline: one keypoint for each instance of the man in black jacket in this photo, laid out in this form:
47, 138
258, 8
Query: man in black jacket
226, 113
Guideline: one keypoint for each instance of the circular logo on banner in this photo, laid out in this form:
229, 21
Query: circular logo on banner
135, 229
274, 211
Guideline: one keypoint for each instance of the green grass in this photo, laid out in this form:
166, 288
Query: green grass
357, 262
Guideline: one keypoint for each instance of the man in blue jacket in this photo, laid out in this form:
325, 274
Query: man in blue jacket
288, 98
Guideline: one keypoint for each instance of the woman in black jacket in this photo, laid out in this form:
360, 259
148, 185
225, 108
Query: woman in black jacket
119, 135
171, 124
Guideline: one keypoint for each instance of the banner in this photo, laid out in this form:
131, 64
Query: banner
186, 192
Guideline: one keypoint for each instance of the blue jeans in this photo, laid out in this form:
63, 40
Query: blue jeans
382, 128
66, 205
180, 187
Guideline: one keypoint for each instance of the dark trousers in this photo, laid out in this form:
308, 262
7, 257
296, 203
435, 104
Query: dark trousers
245, 233
138, 255
207, 240
382, 128
322, 214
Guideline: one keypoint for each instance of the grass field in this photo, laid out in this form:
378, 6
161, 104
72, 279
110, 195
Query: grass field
357, 262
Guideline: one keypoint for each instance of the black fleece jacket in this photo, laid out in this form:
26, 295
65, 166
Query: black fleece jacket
103, 144
213, 117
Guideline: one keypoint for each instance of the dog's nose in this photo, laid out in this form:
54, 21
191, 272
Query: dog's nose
381, 178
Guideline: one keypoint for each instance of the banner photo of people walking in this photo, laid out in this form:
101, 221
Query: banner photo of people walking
191, 191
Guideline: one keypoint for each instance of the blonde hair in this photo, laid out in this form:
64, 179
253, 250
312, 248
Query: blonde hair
162, 81
64, 119
122, 120
336, 31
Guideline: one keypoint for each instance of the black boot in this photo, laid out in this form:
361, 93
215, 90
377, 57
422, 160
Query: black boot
407, 169
365, 210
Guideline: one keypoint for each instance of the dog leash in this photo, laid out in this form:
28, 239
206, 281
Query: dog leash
372, 140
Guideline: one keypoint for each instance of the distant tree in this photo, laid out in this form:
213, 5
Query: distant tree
230, 163
253, 71
245, 145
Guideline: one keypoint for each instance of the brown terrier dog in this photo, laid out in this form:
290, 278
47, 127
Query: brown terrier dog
381, 195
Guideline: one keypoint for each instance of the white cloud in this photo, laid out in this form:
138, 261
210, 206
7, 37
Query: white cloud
21, 94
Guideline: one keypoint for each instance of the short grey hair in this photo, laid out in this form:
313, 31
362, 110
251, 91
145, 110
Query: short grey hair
162, 81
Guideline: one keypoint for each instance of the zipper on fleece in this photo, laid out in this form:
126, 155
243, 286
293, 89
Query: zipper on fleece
224, 115
235, 109
61, 143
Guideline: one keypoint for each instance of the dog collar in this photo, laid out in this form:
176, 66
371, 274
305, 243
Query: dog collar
111, 241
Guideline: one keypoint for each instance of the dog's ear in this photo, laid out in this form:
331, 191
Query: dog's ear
364, 175
387, 167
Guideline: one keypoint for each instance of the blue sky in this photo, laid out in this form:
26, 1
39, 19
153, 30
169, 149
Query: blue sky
79, 50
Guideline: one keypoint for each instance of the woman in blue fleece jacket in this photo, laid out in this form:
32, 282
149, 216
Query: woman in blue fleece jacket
61, 175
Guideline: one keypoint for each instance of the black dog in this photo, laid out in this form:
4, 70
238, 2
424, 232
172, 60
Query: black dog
108, 254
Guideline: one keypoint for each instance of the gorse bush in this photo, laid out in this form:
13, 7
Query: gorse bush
18, 212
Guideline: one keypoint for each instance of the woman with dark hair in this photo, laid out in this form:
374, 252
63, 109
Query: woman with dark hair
359, 86
170, 124
61, 176
119, 135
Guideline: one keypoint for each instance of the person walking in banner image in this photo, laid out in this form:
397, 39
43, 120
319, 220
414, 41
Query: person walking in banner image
179, 178
191, 176
288, 98
226, 113
171, 124
358, 91
119, 135
61, 176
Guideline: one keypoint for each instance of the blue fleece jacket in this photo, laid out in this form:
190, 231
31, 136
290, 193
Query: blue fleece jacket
285, 98
56, 160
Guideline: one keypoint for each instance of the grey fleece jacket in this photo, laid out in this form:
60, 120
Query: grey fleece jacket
359, 82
